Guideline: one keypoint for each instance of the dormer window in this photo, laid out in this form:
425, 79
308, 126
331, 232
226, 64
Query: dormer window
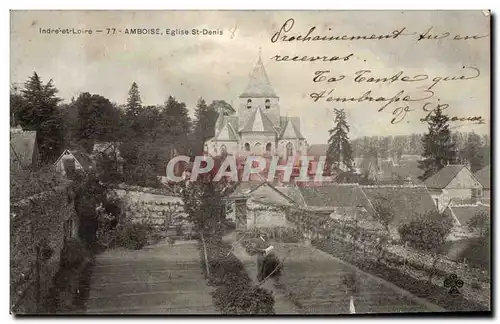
268, 104
249, 103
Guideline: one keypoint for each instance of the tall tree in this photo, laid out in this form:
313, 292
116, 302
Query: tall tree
339, 149
437, 144
204, 123
97, 119
473, 152
39, 112
134, 102
175, 117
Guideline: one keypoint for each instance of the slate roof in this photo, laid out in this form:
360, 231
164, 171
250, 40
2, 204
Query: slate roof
259, 85
407, 202
293, 123
258, 122
484, 177
330, 195
463, 213
443, 177
22, 147
317, 150
243, 188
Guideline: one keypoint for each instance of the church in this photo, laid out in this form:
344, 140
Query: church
257, 126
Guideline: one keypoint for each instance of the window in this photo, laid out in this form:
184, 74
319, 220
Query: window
257, 149
476, 192
436, 200
249, 103
268, 104
247, 147
268, 147
289, 150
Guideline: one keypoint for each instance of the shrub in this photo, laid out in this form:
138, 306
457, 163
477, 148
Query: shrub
238, 298
427, 232
133, 236
480, 223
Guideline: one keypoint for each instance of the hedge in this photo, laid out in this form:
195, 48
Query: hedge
235, 293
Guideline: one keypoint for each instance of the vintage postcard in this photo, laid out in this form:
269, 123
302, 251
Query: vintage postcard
250, 162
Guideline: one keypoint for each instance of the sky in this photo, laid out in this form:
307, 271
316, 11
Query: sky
216, 67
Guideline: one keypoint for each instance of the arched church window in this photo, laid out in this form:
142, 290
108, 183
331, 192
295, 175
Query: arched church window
289, 150
268, 147
249, 103
257, 149
268, 104
247, 147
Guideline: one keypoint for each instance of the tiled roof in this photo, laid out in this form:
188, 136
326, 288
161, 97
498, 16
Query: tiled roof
334, 195
22, 146
258, 122
407, 202
443, 177
259, 85
484, 177
464, 213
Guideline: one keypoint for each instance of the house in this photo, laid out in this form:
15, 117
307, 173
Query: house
265, 204
407, 202
453, 182
73, 160
24, 152
484, 178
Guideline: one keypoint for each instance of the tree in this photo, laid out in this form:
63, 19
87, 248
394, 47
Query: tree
175, 118
134, 102
16, 105
39, 112
97, 119
383, 213
428, 232
437, 144
480, 223
473, 152
339, 149
205, 120
204, 205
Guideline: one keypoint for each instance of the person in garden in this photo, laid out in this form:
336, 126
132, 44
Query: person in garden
268, 264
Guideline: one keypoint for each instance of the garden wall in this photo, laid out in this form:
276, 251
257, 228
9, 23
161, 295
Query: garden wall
41, 220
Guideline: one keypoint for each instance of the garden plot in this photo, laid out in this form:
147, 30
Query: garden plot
314, 281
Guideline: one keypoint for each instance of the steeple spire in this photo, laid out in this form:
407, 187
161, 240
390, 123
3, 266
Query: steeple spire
259, 85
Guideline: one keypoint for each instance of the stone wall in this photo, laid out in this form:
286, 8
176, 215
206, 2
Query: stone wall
39, 220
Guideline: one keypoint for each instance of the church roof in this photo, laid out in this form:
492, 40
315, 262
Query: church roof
227, 132
258, 122
290, 129
259, 85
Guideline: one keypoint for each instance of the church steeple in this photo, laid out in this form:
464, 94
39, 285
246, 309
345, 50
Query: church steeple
259, 85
